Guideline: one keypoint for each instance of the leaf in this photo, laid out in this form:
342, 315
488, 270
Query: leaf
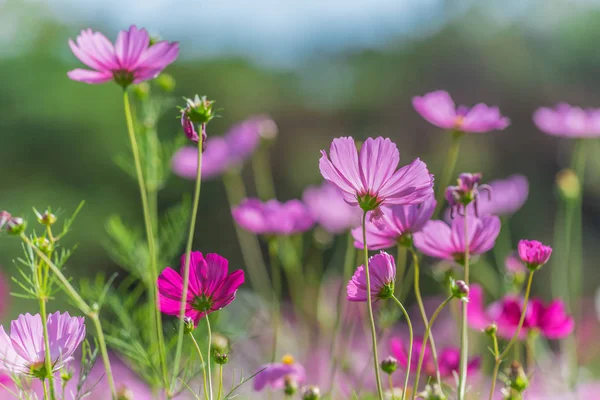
126, 248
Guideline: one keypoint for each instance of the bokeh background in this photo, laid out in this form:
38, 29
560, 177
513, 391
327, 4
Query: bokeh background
320, 70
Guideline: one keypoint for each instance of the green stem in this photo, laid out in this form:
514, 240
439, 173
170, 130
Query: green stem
530, 351
188, 255
391, 383
496, 365
417, 289
464, 337
292, 267
45, 386
47, 355
149, 236
499, 357
249, 244
400, 268
425, 337
208, 362
83, 307
370, 308
205, 384
448, 171
263, 174
220, 382
276, 279
410, 346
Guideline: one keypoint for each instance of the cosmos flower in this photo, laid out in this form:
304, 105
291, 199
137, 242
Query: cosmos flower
568, 121
210, 287
132, 59
382, 271
533, 253
327, 206
438, 108
273, 217
275, 375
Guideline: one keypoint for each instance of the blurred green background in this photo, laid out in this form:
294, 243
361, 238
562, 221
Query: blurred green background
320, 71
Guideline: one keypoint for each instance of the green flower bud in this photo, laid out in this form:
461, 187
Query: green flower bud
188, 325
568, 184
311, 393
389, 365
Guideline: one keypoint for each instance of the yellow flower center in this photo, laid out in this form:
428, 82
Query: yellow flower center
288, 359
458, 121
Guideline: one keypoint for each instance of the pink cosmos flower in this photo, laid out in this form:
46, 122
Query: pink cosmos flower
273, 217
275, 375
448, 358
550, 320
466, 193
4, 218
533, 253
439, 240
396, 223
327, 206
438, 108
382, 271
514, 265
23, 351
568, 121
223, 152
131, 60
370, 179
210, 288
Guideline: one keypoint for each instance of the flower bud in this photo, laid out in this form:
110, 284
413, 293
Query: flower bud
466, 191
199, 110
141, 90
534, 254
433, 392
491, 329
219, 343
16, 226
220, 358
4, 218
124, 393
43, 244
460, 290
291, 386
66, 374
166, 82
568, 184
311, 393
188, 325
516, 378
47, 218
389, 365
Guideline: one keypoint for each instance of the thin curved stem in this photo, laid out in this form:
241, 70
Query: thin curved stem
220, 382
205, 385
45, 386
391, 384
277, 293
425, 337
464, 332
410, 346
153, 291
370, 308
499, 357
47, 355
208, 362
417, 289
188, 255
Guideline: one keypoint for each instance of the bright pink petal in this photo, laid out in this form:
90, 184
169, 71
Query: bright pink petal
378, 160
411, 184
87, 76
435, 240
226, 292
130, 45
437, 108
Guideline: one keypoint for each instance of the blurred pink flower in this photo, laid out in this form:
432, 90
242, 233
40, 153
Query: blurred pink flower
327, 206
4, 218
439, 240
131, 60
396, 221
275, 375
382, 271
568, 121
438, 108
273, 217
467, 192
514, 265
533, 253
550, 320
23, 352
210, 287
370, 179
223, 152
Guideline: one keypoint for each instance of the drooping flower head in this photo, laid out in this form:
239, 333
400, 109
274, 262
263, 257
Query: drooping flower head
533, 253
132, 59
447, 242
438, 109
210, 288
448, 358
223, 152
198, 111
327, 206
466, 192
279, 375
396, 225
382, 271
568, 121
273, 217
370, 179
23, 351
550, 320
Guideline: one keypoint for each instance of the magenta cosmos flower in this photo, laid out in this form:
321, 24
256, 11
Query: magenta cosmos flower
550, 320
210, 288
131, 60
327, 206
568, 121
533, 253
438, 108
277, 375
395, 224
370, 179
448, 358
273, 217
447, 242
23, 351
223, 152
382, 271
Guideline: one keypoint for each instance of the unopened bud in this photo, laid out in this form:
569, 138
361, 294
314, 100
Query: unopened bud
268, 129
141, 90
220, 358
66, 374
433, 392
460, 290
516, 377
389, 365
47, 218
188, 325
291, 386
166, 82
491, 329
568, 184
219, 343
311, 393
125, 393
16, 225
43, 244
